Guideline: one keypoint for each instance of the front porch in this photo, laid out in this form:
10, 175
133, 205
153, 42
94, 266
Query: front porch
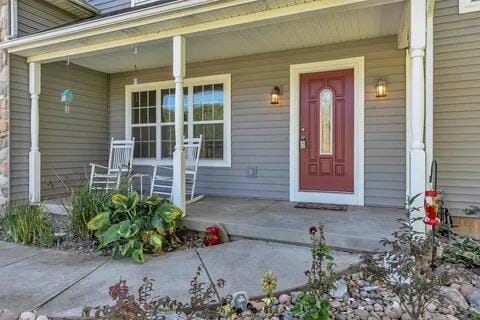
124, 88
357, 229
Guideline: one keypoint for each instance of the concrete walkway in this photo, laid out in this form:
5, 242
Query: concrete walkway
61, 283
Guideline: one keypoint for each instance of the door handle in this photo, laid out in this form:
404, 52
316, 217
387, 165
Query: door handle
303, 142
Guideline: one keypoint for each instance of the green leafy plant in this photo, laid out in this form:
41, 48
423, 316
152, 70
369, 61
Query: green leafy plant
28, 224
146, 306
314, 302
406, 267
472, 211
466, 252
85, 203
129, 225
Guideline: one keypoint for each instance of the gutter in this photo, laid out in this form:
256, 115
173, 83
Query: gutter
120, 21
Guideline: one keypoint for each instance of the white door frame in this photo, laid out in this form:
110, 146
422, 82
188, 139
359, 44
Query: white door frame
357, 197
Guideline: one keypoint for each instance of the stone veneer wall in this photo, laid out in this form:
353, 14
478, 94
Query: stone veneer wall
4, 118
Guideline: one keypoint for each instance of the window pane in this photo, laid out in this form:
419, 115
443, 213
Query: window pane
135, 100
212, 147
218, 93
152, 98
326, 115
168, 141
218, 111
152, 115
168, 104
143, 115
135, 115
143, 99
145, 146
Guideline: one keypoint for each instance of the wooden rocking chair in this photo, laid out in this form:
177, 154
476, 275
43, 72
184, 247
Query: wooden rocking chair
119, 164
162, 184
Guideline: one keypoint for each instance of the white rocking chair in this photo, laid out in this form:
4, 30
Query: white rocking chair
119, 163
162, 184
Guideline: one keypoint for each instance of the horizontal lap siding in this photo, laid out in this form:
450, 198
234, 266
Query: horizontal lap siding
110, 5
36, 16
68, 142
457, 103
260, 131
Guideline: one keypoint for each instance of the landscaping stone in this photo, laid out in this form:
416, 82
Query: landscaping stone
42, 317
454, 296
27, 316
340, 289
285, 299
473, 298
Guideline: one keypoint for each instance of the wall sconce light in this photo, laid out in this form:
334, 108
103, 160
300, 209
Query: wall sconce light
381, 88
275, 96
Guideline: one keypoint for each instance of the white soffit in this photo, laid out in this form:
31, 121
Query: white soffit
305, 31
78, 8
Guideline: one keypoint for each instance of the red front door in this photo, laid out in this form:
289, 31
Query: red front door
326, 131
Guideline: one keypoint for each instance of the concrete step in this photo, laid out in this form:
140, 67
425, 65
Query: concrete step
290, 236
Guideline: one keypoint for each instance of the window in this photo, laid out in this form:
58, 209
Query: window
466, 6
150, 118
326, 115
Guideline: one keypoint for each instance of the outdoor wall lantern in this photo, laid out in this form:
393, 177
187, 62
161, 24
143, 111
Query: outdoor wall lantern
381, 88
275, 96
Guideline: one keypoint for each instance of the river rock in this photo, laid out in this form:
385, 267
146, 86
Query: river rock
394, 311
8, 315
340, 290
27, 316
473, 299
454, 296
362, 314
285, 299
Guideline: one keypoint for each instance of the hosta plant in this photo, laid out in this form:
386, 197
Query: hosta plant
129, 226
466, 252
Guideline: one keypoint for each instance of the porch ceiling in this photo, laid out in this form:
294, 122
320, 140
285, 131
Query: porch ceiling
306, 30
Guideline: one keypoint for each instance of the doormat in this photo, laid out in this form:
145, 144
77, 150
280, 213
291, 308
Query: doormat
321, 206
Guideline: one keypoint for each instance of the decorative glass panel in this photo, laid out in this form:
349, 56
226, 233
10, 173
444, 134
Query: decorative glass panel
326, 120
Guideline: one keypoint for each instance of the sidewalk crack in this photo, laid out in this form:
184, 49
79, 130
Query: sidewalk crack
41, 305
208, 275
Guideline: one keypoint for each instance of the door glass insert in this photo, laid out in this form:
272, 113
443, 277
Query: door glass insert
326, 120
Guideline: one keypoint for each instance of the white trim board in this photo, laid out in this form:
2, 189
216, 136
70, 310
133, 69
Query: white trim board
466, 6
357, 197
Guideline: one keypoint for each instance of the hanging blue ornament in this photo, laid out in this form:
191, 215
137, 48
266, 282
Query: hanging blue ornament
67, 98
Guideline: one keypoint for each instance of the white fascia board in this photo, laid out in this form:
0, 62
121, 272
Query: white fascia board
117, 22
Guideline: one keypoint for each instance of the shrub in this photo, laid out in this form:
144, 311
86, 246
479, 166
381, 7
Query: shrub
407, 268
28, 224
314, 302
85, 203
466, 252
145, 305
129, 225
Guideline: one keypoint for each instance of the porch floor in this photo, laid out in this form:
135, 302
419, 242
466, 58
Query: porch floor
357, 229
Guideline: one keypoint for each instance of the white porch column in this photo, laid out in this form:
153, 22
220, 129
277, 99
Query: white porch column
34, 155
417, 147
178, 195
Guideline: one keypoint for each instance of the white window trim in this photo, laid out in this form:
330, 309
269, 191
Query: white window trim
466, 6
357, 197
188, 82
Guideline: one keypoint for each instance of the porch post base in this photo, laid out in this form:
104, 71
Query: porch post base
34, 184
178, 191
417, 186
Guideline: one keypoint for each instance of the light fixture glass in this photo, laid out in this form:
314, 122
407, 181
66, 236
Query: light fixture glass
381, 88
275, 96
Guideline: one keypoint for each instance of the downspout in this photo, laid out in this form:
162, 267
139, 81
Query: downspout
429, 88
13, 32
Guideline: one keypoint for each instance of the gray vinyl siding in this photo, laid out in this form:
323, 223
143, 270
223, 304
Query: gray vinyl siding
68, 142
457, 103
106, 6
260, 131
36, 16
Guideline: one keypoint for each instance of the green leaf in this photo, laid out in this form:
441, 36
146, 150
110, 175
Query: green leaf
100, 221
155, 240
125, 229
108, 236
137, 253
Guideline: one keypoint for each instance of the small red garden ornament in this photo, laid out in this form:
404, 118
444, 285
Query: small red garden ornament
212, 236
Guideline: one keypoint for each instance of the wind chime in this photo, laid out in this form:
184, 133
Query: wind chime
67, 94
